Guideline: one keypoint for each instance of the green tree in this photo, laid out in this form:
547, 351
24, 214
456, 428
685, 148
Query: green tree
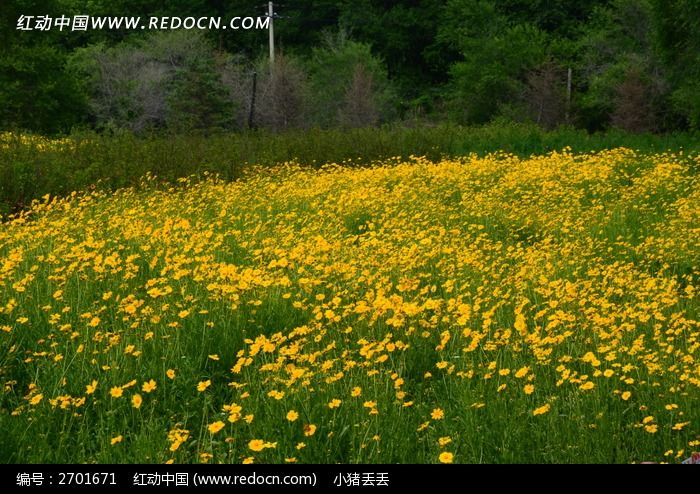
36, 91
403, 33
169, 79
496, 56
337, 69
618, 73
677, 24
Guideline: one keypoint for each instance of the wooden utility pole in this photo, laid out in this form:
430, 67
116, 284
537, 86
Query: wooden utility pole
251, 115
568, 95
271, 32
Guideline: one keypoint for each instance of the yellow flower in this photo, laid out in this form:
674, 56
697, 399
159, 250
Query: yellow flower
170, 373
213, 357
626, 395
541, 410
444, 441
356, 391
309, 430
177, 437
149, 386
292, 415
277, 395
216, 427
300, 445
446, 457
116, 392
249, 460
522, 372
136, 400
437, 414
334, 403
183, 314
94, 322
256, 445
587, 385
116, 440
528, 389
36, 399
651, 429
90, 388
203, 385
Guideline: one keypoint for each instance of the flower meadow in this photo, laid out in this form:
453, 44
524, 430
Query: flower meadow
479, 309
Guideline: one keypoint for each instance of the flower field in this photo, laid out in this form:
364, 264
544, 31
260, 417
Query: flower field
483, 309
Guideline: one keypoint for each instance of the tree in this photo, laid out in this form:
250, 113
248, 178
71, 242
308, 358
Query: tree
171, 79
359, 108
496, 56
545, 95
282, 94
677, 26
403, 33
334, 68
620, 76
36, 92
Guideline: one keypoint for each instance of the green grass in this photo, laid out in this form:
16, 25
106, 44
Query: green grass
600, 246
113, 161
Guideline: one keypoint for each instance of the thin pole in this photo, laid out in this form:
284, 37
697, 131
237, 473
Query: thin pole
568, 94
271, 32
251, 115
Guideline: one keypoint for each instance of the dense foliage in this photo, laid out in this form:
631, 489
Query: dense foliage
634, 65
